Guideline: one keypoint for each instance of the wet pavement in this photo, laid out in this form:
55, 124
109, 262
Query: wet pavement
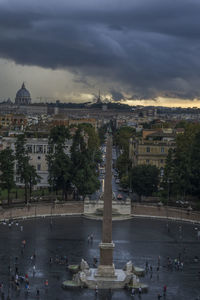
139, 240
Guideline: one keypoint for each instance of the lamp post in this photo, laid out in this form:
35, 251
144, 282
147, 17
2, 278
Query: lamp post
168, 199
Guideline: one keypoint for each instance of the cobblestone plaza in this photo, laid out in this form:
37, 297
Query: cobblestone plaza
139, 240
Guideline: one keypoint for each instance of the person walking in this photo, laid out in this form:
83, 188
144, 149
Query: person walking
96, 290
91, 237
164, 290
88, 238
46, 283
38, 294
34, 270
140, 292
159, 296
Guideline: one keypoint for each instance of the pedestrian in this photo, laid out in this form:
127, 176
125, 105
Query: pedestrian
96, 289
147, 267
21, 228
46, 283
140, 291
164, 290
159, 261
50, 260
159, 296
132, 292
88, 238
24, 243
1, 287
91, 237
38, 293
27, 287
34, 270
95, 261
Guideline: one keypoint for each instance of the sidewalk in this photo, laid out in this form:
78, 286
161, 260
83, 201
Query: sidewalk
164, 212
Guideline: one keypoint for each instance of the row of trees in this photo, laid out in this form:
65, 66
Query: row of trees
24, 170
67, 173
182, 170
77, 172
121, 141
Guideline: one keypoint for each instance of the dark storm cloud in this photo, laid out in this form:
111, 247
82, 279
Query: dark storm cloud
116, 95
146, 48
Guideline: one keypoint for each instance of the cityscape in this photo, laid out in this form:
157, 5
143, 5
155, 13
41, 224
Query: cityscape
99, 150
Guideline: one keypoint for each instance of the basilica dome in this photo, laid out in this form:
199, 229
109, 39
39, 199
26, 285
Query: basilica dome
23, 96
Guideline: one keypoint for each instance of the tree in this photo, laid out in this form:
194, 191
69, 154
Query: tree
101, 132
121, 140
23, 167
7, 170
122, 136
195, 165
84, 163
144, 179
33, 178
182, 167
168, 182
58, 161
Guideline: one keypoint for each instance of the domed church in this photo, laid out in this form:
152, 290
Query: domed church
23, 96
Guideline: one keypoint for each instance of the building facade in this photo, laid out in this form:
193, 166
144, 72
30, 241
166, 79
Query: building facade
151, 150
37, 150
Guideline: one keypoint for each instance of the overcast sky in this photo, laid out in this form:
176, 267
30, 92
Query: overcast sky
144, 50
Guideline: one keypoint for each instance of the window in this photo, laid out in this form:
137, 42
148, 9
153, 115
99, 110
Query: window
162, 149
38, 167
39, 149
39, 157
148, 149
161, 161
147, 161
29, 148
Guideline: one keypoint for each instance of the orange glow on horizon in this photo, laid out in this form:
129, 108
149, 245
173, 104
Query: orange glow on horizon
168, 102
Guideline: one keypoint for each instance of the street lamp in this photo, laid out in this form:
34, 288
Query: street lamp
168, 198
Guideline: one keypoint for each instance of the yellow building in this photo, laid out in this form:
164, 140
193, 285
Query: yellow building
152, 150
13, 120
6, 120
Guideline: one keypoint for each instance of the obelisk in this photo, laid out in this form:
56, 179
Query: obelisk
106, 267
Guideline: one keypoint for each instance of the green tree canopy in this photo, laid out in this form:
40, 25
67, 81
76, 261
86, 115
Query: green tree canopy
23, 167
7, 170
84, 165
144, 179
58, 160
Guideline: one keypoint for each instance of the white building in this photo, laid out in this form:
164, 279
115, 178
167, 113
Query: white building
37, 149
